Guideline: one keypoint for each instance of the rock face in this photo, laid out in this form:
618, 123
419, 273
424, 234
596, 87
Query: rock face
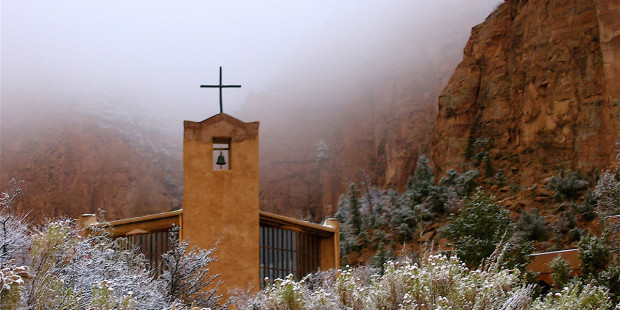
537, 88
380, 130
74, 163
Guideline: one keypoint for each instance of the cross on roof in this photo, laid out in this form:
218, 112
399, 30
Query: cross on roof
220, 86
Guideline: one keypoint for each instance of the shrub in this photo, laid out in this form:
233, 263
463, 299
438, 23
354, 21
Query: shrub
436, 282
561, 272
12, 283
594, 255
500, 177
575, 296
59, 266
606, 197
14, 234
564, 224
81, 269
610, 278
586, 210
532, 226
568, 185
477, 230
186, 278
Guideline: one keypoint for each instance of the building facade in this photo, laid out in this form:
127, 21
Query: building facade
221, 202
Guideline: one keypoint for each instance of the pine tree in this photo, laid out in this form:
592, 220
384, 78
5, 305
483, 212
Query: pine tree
355, 221
477, 230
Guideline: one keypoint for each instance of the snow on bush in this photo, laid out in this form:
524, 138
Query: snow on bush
437, 282
12, 282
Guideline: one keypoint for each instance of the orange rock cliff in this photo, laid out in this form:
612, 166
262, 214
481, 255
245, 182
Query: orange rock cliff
539, 80
539, 85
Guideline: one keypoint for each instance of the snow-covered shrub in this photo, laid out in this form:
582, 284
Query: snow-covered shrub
594, 255
561, 272
606, 194
437, 282
100, 264
606, 197
51, 248
186, 278
14, 235
574, 296
12, 282
285, 294
477, 230
104, 297
76, 269
568, 185
532, 226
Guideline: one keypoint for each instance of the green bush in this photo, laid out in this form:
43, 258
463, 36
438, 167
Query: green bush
594, 255
477, 230
561, 272
575, 296
610, 278
568, 185
532, 226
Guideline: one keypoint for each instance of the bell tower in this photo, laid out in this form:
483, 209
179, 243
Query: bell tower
220, 201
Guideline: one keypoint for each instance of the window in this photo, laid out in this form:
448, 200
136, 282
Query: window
284, 252
221, 154
152, 244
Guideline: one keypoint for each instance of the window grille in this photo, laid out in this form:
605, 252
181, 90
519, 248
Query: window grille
152, 244
284, 252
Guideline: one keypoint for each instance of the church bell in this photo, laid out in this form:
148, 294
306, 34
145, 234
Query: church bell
220, 160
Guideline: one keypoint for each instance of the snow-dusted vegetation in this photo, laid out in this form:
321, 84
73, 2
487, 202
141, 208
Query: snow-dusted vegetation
436, 282
59, 265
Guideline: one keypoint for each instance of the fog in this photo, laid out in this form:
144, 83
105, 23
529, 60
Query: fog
146, 59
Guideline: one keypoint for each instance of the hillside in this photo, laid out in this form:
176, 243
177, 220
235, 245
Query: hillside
379, 125
537, 86
77, 161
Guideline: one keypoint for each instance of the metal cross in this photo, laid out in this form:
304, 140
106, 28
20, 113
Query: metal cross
220, 86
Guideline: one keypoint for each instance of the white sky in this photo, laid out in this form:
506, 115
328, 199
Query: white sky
153, 55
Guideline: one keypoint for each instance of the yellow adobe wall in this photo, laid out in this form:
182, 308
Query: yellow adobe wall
541, 263
223, 203
330, 247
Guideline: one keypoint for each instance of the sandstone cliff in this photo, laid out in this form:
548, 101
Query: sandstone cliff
381, 128
537, 88
73, 163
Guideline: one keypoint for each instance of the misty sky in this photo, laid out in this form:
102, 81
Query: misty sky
151, 56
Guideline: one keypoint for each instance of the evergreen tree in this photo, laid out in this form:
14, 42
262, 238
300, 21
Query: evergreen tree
532, 226
561, 272
355, 220
477, 230
594, 255
422, 182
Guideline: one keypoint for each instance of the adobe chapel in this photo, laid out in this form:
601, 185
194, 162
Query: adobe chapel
221, 201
